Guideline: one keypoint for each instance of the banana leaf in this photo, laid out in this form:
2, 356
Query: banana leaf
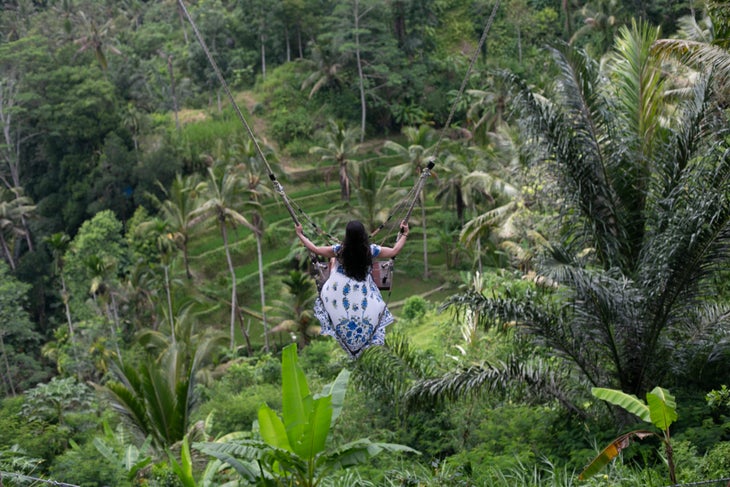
611, 452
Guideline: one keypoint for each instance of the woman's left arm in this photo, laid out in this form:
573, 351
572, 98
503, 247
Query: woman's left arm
390, 252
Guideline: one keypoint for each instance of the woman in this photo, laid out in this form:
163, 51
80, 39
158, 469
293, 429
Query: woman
350, 306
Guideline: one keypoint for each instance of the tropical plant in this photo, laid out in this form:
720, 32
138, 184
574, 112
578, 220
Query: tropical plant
340, 146
177, 209
646, 222
296, 308
158, 394
222, 197
413, 160
702, 48
660, 409
58, 244
14, 209
293, 447
254, 166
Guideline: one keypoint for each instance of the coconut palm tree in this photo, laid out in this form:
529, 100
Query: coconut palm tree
646, 228
413, 160
253, 168
58, 244
177, 209
340, 146
295, 309
14, 209
221, 198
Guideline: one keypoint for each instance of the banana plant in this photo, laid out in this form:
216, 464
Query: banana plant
660, 409
293, 447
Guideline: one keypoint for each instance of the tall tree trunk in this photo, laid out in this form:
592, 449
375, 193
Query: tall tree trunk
7, 252
299, 41
344, 182
9, 377
425, 240
186, 257
263, 57
175, 109
259, 253
184, 24
170, 317
234, 302
288, 44
568, 23
114, 323
361, 83
65, 298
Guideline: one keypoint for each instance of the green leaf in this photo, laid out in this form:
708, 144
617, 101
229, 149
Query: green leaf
184, 469
358, 452
611, 452
337, 390
242, 456
272, 428
662, 408
629, 402
317, 429
295, 407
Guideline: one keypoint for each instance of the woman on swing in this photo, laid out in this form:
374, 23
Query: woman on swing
350, 306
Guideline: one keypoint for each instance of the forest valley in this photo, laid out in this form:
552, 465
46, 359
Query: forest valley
562, 303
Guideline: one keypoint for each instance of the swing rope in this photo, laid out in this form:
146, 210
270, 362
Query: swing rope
277, 186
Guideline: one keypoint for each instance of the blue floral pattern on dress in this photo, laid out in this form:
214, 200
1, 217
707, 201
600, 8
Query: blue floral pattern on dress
361, 320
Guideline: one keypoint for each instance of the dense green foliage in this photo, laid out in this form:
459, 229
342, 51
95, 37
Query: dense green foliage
574, 234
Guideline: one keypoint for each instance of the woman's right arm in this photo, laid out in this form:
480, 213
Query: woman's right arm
326, 251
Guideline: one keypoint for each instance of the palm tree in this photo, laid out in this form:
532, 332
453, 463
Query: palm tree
295, 309
221, 197
58, 243
703, 47
103, 292
601, 19
254, 166
339, 148
373, 196
325, 69
177, 211
633, 275
96, 38
14, 208
158, 395
165, 243
413, 160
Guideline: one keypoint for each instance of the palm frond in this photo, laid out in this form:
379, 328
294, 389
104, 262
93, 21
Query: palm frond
701, 56
536, 378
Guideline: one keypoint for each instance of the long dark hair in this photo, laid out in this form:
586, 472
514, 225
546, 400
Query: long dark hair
355, 255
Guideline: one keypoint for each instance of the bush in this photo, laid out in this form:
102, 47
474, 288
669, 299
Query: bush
716, 463
317, 358
82, 465
415, 307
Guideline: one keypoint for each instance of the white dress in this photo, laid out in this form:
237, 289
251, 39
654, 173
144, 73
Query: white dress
352, 311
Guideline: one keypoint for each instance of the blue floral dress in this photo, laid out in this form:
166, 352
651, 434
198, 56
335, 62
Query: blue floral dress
352, 312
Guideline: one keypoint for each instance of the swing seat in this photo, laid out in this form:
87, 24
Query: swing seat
382, 273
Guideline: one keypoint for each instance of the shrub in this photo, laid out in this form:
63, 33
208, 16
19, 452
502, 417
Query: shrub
716, 463
415, 307
82, 465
